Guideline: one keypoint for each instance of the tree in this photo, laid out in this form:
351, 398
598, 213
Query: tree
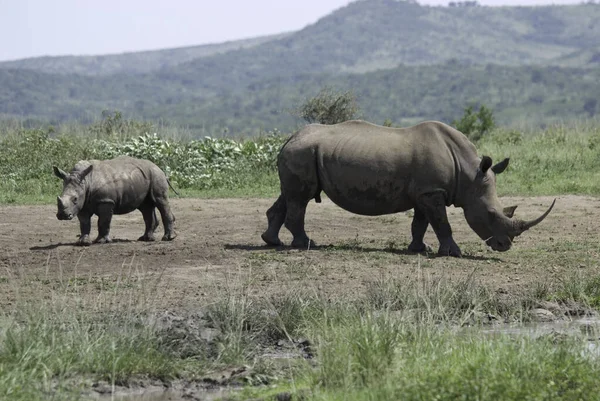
329, 107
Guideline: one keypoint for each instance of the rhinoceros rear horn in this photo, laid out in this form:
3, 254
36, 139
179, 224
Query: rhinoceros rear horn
522, 226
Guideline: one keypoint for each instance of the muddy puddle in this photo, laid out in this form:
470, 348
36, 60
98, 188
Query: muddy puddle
587, 328
166, 395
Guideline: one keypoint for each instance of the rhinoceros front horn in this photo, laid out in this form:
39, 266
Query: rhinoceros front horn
522, 226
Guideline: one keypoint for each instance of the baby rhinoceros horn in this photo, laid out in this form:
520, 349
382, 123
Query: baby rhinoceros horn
520, 226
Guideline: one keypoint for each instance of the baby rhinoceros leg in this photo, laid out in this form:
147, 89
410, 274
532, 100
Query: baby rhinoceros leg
85, 226
105, 213
149, 212
162, 203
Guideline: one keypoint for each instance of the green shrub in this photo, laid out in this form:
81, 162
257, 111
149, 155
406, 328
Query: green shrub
329, 107
475, 124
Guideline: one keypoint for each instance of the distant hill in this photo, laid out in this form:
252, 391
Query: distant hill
406, 94
405, 61
132, 62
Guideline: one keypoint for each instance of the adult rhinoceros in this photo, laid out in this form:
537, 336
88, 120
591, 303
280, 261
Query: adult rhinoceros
373, 170
117, 186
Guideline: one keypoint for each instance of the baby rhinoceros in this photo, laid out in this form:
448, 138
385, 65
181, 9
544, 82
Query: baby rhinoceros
373, 170
117, 186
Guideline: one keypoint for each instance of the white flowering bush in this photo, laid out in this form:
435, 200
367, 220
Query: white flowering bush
197, 164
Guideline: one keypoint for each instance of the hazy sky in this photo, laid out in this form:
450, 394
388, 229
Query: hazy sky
30, 28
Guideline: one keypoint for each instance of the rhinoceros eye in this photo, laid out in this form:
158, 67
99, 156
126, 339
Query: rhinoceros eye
74, 199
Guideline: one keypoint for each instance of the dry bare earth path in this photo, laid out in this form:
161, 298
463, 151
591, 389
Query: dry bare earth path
219, 246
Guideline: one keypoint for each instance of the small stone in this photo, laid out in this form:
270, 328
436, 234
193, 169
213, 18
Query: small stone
283, 397
542, 315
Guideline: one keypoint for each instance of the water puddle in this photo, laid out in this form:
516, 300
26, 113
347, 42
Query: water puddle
166, 395
587, 328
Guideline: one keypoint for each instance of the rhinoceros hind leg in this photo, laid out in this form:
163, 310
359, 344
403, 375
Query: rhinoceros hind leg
294, 221
149, 212
275, 217
168, 219
418, 229
433, 206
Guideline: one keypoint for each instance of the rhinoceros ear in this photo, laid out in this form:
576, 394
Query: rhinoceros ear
509, 211
86, 171
486, 163
59, 173
500, 167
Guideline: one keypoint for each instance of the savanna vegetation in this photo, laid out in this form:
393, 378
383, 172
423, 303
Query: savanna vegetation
559, 159
399, 340
206, 116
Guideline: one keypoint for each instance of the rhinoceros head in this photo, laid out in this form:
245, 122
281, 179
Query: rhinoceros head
73, 195
493, 223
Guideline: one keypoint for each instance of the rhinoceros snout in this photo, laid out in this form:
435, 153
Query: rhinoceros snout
499, 245
64, 216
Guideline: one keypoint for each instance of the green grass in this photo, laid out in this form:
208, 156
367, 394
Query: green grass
562, 159
367, 358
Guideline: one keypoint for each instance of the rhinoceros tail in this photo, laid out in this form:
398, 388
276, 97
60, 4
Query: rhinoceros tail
171, 186
318, 193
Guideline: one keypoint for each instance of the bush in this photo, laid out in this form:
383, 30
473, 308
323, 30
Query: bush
329, 107
475, 125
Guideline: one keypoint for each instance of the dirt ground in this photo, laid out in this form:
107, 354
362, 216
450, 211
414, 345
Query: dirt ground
219, 247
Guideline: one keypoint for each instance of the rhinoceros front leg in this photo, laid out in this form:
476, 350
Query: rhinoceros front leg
433, 206
418, 229
85, 226
275, 217
105, 213
294, 221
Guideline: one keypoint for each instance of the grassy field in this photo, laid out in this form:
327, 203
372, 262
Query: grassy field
400, 339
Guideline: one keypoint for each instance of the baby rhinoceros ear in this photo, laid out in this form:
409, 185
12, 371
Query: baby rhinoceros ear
86, 171
59, 173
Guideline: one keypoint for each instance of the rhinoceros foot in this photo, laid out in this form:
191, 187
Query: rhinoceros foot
420, 248
146, 238
103, 240
273, 241
169, 236
303, 243
449, 249
84, 240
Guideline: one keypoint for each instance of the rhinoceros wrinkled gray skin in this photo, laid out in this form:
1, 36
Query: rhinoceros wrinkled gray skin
117, 186
373, 170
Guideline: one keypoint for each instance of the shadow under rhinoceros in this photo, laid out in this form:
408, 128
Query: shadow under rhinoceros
74, 244
357, 248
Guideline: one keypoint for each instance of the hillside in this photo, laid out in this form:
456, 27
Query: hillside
368, 35
405, 61
523, 94
132, 62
